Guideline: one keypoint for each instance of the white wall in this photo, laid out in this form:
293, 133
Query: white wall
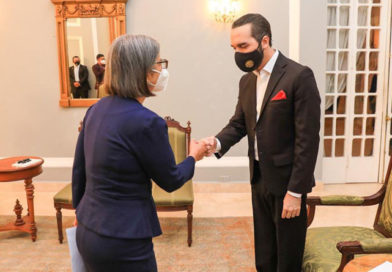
203, 85
313, 40
31, 120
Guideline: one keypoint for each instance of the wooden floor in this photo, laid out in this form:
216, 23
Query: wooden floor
211, 200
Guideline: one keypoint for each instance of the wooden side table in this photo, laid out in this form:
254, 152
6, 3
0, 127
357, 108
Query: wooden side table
9, 173
367, 262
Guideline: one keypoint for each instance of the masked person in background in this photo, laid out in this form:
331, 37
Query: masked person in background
278, 110
99, 72
121, 147
78, 75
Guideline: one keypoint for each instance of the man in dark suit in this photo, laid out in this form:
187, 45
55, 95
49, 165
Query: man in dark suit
78, 75
279, 110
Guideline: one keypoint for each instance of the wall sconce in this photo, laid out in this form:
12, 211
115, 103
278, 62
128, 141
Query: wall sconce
224, 10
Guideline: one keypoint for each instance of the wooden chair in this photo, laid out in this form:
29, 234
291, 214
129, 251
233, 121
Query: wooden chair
331, 248
62, 200
183, 198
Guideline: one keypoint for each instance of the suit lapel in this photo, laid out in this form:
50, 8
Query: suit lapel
251, 86
72, 73
276, 75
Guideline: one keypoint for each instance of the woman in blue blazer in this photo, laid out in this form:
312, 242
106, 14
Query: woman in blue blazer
121, 147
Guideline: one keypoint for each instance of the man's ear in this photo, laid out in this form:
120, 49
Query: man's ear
265, 42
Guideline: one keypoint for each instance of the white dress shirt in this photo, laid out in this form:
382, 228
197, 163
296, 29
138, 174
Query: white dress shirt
262, 82
76, 73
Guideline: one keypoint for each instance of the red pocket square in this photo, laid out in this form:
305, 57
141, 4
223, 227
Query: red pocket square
281, 95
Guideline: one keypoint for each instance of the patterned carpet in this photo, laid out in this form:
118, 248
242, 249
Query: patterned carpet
219, 244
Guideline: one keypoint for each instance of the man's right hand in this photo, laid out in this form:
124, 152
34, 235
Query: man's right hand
197, 149
291, 206
211, 145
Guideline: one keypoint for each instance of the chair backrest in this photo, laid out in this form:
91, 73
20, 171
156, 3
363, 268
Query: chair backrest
383, 222
179, 138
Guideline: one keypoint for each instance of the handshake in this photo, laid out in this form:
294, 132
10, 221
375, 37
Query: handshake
201, 148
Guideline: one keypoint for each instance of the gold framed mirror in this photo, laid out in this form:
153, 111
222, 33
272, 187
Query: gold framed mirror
85, 29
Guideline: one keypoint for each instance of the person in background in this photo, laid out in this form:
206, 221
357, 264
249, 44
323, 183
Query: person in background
99, 72
78, 75
122, 147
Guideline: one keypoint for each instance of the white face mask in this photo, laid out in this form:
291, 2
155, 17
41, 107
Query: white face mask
103, 61
162, 81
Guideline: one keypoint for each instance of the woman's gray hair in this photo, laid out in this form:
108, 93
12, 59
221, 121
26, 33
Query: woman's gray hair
130, 58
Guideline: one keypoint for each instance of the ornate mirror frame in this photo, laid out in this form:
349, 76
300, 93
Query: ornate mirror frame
113, 9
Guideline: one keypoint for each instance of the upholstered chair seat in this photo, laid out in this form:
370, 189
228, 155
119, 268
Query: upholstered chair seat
62, 200
181, 197
321, 254
64, 195
329, 249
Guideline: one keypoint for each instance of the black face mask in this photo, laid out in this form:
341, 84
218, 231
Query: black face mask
249, 62
77, 63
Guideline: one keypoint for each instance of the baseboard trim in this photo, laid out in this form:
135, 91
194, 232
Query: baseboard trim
211, 162
232, 161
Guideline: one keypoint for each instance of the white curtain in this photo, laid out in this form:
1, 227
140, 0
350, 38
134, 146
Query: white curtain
343, 43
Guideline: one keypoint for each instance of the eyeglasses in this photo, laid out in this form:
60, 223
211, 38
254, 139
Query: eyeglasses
164, 63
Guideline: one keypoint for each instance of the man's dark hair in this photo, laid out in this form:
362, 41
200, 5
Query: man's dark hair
74, 57
260, 27
99, 56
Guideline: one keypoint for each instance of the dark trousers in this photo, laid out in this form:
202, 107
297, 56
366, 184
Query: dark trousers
279, 243
80, 93
102, 253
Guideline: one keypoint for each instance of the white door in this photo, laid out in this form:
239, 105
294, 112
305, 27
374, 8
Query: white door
354, 91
